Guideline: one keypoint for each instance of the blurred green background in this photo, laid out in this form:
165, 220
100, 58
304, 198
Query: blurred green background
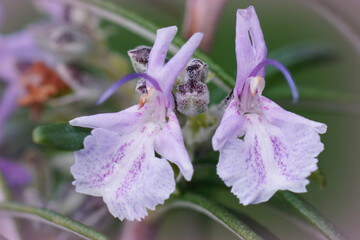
284, 22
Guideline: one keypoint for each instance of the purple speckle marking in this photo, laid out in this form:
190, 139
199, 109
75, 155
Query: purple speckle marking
280, 154
248, 119
131, 176
259, 161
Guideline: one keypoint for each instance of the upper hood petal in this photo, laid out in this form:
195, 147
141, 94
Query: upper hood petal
250, 46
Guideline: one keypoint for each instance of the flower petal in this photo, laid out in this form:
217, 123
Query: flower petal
278, 116
149, 183
157, 56
231, 125
178, 62
169, 143
122, 122
269, 159
95, 163
250, 46
124, 170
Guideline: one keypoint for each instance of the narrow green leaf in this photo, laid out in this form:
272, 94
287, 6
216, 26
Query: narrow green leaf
215, 211
61, 136
312, 215
54, 218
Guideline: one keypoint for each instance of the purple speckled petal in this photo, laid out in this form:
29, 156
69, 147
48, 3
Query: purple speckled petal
164, 36
231, 125
149, 183
269, 159
124, 170
122, 122
249, 52
170, 145
8, 104
278, 116
95, 164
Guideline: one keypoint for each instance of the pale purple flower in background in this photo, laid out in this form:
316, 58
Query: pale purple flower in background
263, 148
30, 56
17, 52
118, 161
16, 175
66, 13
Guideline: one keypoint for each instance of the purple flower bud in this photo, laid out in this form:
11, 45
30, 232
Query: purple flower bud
196, 70
192, 97
139, 58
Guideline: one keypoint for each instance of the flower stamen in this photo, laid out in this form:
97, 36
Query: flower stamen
110, 91
283, 70
145, 97
257, 85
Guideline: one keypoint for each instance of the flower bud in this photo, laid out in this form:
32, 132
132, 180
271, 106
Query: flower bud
139, 58
196, 70
192, 96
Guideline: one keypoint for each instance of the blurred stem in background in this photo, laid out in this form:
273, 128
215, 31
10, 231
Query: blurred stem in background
336, 14
202, 16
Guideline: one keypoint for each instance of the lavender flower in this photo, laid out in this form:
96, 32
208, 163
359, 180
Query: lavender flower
18, 52
36, 63
118, 161
263, 148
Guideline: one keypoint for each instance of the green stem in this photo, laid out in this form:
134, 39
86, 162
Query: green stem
53, 218
312, 215
4, 191
144, 28
216, 212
